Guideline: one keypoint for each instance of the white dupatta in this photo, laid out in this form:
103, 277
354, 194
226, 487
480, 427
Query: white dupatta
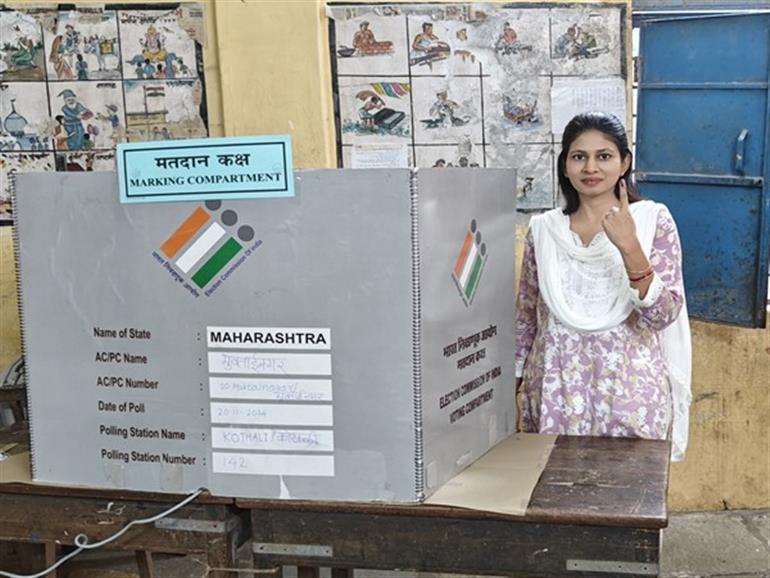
553, 240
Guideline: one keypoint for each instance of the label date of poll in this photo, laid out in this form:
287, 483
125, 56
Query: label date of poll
122, 407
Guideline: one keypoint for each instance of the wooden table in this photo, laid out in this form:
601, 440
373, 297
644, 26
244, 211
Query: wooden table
598, 510
51, 516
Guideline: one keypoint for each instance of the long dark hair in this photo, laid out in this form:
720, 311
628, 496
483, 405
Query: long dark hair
612, 128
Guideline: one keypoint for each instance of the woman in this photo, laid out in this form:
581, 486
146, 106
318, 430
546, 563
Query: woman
366, 44
60, 65
602, 335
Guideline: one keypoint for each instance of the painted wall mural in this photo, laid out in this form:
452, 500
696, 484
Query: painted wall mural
75, 83
469, 85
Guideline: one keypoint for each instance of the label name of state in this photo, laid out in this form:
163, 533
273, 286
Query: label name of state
125, 333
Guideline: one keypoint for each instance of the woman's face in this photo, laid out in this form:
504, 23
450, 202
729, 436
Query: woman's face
594, 164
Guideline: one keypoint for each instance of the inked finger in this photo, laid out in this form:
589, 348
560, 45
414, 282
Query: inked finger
623, 193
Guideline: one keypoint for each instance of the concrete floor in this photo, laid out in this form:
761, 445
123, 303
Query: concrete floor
719, 544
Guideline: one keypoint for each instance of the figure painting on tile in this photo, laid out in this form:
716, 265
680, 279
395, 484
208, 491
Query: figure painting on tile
451, 45
364, 43
445, 112
586, 42
517, 111
154, 61
520, 111
23, 116
155, 46
427, 48
87, 116
73, 115
535, 185
509, 43
577, 43
372, 43
463, 154
84, 46
21, 47
446, 159
376, 108
524, 189
163, 110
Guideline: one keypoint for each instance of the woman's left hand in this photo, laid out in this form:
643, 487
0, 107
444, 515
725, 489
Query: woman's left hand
619, 225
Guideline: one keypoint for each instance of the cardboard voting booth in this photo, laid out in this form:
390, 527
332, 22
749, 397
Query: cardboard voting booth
353, 342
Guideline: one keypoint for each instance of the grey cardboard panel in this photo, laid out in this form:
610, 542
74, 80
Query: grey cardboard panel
468, 406
337, 256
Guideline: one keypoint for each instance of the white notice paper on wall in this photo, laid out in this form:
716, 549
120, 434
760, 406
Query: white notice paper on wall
572, 96
380, 156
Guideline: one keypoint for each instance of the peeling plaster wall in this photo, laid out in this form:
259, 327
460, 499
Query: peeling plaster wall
728, 460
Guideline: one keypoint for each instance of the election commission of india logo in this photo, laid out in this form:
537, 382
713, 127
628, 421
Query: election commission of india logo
207, 248
470, 263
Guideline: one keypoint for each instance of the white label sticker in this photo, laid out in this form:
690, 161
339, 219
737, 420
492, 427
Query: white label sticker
277, 389
261, 363
271, 414
268, 337
298, 440
272, 464
278, 378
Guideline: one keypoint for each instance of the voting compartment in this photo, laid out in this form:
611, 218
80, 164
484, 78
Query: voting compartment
353, 342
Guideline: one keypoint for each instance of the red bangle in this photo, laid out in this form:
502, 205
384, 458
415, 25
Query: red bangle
650, 273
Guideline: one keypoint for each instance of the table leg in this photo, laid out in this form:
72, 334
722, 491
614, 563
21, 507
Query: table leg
17, 410
35, 557
145, 564
51, 550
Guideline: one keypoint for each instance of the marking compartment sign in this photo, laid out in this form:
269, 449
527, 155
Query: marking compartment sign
205, 169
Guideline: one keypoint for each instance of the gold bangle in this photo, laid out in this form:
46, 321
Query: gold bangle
636, 273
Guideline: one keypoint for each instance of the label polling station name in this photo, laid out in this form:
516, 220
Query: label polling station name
271, 400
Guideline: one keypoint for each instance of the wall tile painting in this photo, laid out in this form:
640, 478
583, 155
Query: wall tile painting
469, 84
75, 83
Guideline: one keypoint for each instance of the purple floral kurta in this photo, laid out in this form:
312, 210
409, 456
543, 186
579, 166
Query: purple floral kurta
609, 383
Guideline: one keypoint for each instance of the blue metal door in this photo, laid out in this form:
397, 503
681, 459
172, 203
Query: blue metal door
703, 148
